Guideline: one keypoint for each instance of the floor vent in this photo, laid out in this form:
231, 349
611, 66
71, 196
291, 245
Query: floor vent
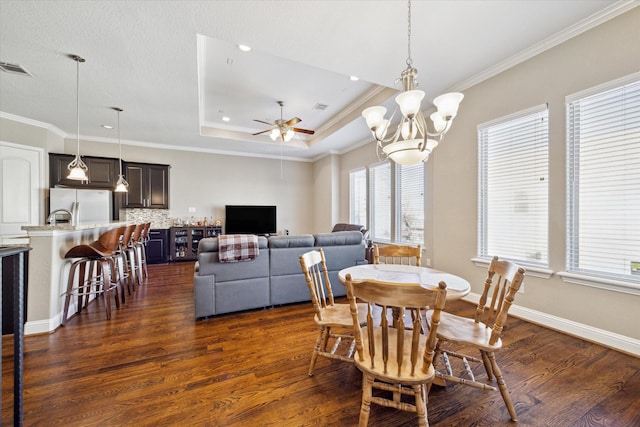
15, 69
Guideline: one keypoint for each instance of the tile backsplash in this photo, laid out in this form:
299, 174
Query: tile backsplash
159, 218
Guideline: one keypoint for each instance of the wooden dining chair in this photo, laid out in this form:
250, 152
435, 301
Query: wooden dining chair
483, 332
328, 314
397, 254
397, 361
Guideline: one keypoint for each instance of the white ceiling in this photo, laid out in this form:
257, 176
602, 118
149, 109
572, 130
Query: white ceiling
174, 68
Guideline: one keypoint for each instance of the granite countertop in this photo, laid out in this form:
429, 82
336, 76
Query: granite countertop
69, 227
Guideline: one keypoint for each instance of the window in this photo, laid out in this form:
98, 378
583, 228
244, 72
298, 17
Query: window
410, 203
358, 197
513, 187
380, 176
603, 181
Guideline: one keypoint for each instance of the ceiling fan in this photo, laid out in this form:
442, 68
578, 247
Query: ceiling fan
283, 129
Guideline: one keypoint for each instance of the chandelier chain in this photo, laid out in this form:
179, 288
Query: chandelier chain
409, 60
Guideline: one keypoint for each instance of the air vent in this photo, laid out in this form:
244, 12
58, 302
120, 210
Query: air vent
14, 68
320, 107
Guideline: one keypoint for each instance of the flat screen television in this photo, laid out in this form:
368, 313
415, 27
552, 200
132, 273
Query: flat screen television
250, 219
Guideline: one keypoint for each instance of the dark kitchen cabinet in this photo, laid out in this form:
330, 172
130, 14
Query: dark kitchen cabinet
102, 172
158, 246
148, 186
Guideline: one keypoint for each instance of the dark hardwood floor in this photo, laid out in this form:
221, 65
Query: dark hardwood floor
154, 365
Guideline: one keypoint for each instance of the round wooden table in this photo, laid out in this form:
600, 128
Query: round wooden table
457, 287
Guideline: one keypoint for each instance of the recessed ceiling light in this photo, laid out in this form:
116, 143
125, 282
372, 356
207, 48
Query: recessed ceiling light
107, 126
226, 119
354, 78
244, 47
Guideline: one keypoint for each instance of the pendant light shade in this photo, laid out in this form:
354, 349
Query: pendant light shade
77, 169
122, 186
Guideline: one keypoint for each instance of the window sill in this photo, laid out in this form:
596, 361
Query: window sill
601, 283
540, 272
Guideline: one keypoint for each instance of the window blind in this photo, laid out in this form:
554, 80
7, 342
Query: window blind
380, 176
410, 205
603, 183
513, 187
358, 197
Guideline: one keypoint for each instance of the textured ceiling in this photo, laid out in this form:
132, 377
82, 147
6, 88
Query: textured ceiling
174, 68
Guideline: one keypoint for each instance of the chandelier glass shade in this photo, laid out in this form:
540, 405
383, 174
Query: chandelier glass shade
77, 168
122, 186
413, 139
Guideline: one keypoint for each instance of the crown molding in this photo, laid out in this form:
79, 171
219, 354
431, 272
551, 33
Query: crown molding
568, 33
31, 122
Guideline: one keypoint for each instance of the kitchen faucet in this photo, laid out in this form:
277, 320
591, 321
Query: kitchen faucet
72, 215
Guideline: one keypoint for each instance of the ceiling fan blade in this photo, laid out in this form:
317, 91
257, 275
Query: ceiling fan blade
307, 131
293, 121
264, 131
266, 123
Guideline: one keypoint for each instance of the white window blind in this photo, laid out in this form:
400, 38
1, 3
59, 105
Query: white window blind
513, 187
358, 197
380, 176
410, 205
603, 182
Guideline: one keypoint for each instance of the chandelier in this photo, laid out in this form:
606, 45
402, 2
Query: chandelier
77, 168
122, 186
412, 141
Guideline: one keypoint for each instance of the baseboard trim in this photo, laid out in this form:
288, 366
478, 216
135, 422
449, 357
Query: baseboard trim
612, 340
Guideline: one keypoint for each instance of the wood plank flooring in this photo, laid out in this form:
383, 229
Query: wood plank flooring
154, 365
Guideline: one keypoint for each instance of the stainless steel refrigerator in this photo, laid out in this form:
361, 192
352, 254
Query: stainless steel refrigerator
93, 206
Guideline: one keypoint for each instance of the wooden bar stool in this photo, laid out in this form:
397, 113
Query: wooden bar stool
142, 242
101, 276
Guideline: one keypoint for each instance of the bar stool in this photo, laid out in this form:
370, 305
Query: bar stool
99, 257
144, 238
134, 257
123, 262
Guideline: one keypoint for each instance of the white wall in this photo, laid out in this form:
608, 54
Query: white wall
208, 182
607, 52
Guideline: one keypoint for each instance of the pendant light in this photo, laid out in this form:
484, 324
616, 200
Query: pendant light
122, 186
77, 168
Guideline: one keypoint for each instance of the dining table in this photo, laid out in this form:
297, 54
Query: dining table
457, 287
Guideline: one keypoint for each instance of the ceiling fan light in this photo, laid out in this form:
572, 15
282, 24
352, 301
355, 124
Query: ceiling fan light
274, 134
288, 135
409, 102
448, 103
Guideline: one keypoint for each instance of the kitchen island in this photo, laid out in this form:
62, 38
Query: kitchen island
48, 270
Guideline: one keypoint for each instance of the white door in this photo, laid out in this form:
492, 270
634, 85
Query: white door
21, 191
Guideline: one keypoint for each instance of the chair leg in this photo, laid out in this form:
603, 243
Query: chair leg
421, 405
487, 365
316, 350
367, 392
502, 386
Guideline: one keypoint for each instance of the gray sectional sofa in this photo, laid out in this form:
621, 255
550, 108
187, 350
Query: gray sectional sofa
274, 277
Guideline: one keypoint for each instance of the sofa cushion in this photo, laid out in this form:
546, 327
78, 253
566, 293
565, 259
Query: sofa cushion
298, 241
338, 238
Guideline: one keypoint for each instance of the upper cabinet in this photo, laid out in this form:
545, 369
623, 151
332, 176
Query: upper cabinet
148, 186
102, 172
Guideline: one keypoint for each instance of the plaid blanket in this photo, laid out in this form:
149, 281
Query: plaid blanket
237, 247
